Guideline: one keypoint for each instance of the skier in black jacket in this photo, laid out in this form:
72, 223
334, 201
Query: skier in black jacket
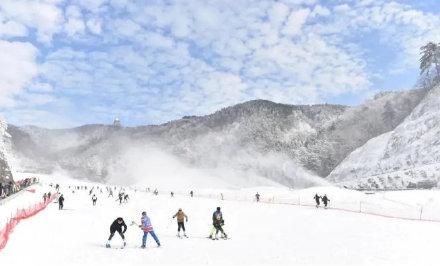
325, 200
217, 223
317, 199
61, 202
117, 226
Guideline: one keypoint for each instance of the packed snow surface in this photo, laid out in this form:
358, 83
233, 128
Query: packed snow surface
260, 233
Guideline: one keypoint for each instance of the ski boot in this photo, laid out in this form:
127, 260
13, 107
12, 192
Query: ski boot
107, 245
143, 246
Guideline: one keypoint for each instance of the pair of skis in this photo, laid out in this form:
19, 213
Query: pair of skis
216, 238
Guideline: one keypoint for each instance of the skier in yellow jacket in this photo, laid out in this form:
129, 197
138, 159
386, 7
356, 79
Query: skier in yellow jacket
181, 216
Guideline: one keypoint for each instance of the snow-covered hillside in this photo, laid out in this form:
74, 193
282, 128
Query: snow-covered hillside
250, 144
408, 156
259, 233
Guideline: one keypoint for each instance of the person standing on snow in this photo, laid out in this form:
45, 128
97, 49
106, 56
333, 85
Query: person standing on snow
191, 193
257, 197
94, 199
181, 216
120, 198
44, 197
61, 202
325, 200
147, 228
317, 200
119, 226
217, 222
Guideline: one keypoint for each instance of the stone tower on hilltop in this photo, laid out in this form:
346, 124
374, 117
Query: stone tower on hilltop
117, 123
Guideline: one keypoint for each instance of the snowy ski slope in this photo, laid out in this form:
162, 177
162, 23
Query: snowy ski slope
260, 233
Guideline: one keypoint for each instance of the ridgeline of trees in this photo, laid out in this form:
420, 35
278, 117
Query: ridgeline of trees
430, 64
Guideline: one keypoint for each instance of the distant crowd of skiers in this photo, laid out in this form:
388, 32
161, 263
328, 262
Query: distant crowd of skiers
119, 225
10, 187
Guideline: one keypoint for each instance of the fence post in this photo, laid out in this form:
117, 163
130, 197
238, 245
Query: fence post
299, 201
360, 206
421, 211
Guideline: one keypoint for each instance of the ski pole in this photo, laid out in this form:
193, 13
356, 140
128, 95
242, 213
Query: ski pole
169, 223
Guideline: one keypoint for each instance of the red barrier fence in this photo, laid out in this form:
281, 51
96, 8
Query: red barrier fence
20, 215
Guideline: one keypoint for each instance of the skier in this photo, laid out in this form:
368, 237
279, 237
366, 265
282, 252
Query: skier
117, 226
257, 197
94, 199
110, 194
181, 216
48, 195
44, 197
147, 228
172, 194
156, 192
120, 198
221, 195
217, 222
61, 202
126, 198
317, 199
325, 200
191, 193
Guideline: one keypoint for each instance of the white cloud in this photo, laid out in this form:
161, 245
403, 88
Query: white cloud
45, 16
295, 22
40, 87
12, 29
187, 57
18, 68
320, 11
75, 24
94, 26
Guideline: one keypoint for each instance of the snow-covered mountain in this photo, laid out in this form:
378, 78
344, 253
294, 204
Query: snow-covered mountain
254, 143
5, 171
408, 156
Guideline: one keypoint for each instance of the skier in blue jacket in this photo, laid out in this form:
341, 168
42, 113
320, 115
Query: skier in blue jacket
147, 228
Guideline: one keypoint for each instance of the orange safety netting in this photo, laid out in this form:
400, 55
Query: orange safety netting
20, 215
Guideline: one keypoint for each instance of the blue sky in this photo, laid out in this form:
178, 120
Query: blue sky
68, 63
